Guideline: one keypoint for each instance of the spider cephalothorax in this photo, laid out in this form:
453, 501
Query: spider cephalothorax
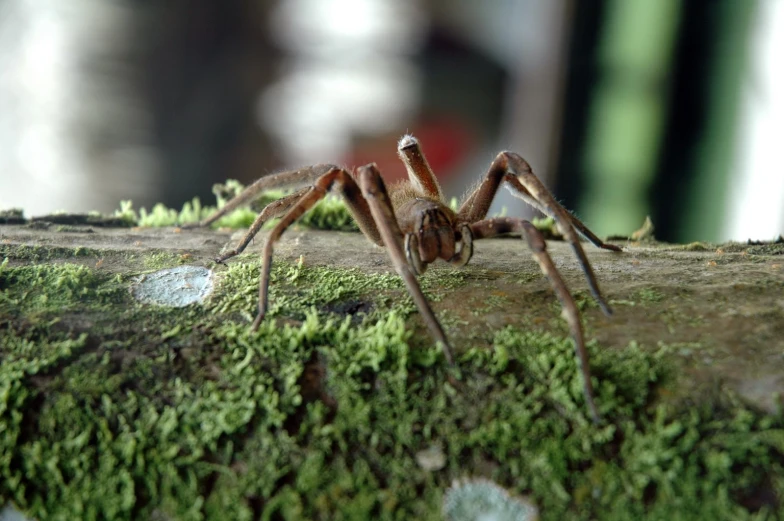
413, 221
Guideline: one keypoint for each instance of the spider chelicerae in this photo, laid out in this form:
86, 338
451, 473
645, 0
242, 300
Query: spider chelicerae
414, 223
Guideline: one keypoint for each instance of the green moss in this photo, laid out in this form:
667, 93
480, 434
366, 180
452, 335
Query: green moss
72, 220
767, 249
191, 416
111, 427
42, 288
649, 295
12, 216
67, 228
446, 278
158, 260
24, 358
694, 246
191, 212
547, 226
329, 214
295, 288
27, 253
482, 306
582, 298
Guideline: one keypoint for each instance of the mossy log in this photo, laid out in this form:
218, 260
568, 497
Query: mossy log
342, 407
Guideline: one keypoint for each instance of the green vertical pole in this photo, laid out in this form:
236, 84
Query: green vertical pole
627, 113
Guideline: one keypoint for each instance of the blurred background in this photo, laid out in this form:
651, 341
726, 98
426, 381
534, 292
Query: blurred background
625, 108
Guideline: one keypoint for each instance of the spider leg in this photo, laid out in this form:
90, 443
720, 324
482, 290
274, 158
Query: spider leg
337, 178
521, 193
516, 171
274, 209
419, 172
476, 204
376, 194
497, 226
466, 251
303, 176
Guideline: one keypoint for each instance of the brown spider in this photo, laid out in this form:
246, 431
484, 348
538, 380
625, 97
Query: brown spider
414, 223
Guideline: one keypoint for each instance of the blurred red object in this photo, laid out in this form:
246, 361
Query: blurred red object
446, 141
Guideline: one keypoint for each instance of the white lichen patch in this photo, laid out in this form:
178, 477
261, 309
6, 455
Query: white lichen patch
483, 500
9, 513
176, 287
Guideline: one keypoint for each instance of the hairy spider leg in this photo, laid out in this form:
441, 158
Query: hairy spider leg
303, 176
274, 209
375, 192
522, 193
419, 172
501, 225
516, 171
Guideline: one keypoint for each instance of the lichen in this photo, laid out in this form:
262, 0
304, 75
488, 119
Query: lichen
478, 500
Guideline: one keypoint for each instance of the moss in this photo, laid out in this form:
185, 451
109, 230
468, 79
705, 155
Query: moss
42, 288
295, 288
111, 428
12, 216
28, 253
329, 214
582, 298
548, 227
80, 219
767, 249
324, 420
694, 246
446, 277
67, 228
494, 302
649, 295
157, 260
643, 296
131, 411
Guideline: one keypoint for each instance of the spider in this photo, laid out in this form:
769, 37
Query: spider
414, 223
